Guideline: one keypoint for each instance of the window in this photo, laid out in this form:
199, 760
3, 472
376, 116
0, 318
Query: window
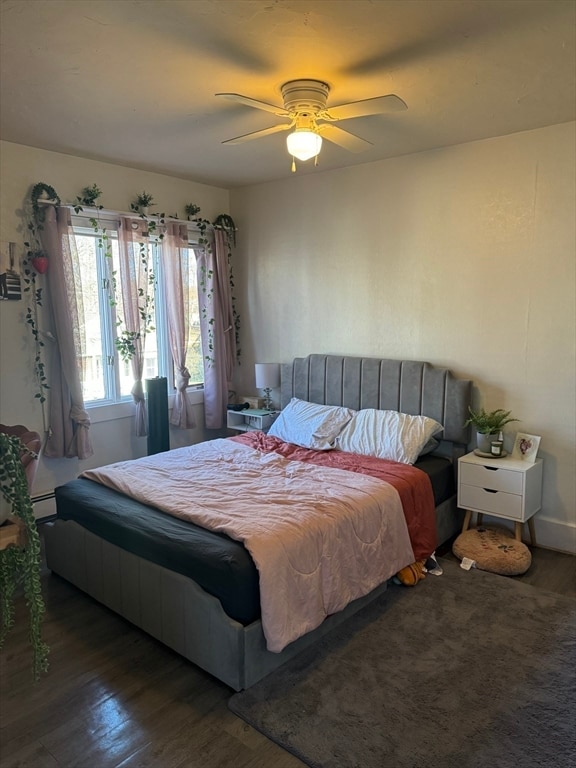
107, 377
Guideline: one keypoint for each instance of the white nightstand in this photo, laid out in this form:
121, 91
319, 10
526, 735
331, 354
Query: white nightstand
506, 488
250, 420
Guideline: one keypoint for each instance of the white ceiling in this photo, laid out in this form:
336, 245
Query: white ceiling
132, 82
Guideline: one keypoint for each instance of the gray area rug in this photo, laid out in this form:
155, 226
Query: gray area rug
465, 670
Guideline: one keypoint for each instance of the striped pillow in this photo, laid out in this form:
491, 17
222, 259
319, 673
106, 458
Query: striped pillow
310, 425
387, 435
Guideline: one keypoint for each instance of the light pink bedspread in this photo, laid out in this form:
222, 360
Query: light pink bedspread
320, 537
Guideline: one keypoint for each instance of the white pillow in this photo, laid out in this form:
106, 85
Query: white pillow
387, 435
310, 425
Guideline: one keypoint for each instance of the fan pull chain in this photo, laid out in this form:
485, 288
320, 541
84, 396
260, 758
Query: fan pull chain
293, 165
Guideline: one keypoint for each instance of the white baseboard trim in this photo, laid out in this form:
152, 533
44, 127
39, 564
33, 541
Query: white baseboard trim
550, 534
553, 534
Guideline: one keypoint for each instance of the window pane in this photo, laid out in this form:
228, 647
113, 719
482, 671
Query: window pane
106, 376
150, 343
194, 361
93, 384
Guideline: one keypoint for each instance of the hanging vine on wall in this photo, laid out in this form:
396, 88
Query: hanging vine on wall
35, 262
205, 285
226, 223
39, 192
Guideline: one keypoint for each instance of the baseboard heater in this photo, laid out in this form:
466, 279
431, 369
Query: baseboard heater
44, 506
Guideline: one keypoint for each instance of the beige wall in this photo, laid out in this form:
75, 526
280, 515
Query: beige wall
463, 256
20, 168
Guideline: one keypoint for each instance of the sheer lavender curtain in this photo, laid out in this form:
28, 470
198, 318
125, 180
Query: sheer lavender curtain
68, 435
178, 259
134, 258
217, 324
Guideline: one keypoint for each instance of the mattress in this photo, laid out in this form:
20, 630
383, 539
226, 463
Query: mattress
218, 564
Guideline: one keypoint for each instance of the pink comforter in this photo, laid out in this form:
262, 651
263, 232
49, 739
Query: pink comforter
413, 485
319, 536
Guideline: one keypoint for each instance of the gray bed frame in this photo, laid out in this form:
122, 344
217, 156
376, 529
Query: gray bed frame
179, 613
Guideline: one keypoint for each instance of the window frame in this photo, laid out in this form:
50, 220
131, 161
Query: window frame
114, 404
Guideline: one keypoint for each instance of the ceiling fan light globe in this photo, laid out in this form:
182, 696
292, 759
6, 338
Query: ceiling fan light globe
304, 144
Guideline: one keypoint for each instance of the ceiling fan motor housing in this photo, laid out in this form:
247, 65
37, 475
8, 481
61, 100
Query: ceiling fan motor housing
302, 96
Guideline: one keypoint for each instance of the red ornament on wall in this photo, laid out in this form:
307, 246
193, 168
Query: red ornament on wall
40, 264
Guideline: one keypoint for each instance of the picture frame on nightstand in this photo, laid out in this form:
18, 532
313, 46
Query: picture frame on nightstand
525, 447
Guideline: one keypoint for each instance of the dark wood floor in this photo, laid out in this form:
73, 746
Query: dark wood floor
116, 698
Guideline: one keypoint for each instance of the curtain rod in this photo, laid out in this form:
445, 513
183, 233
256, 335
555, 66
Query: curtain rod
133, 214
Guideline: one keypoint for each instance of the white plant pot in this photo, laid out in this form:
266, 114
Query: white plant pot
483, 442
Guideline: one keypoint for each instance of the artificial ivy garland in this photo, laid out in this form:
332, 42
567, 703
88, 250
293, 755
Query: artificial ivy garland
42, 191
21, 565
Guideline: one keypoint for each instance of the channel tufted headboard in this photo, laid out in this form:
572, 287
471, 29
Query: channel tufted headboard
398, 385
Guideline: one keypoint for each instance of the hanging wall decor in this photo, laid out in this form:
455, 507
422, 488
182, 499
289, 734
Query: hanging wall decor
10, 286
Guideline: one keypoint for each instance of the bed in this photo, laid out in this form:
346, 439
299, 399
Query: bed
136, 560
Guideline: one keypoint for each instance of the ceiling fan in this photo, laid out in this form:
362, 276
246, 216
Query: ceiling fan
305, 107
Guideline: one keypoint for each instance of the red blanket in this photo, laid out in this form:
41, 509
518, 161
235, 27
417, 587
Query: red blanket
413, 485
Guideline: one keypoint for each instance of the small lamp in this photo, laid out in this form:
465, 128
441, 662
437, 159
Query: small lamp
267, 379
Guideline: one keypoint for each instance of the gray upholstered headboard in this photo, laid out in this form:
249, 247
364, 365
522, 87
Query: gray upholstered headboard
396, 385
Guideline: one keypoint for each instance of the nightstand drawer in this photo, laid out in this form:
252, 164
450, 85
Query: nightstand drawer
496, 502
496, 479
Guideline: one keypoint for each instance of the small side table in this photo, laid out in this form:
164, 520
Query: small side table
12, 532
505, 487
251, 419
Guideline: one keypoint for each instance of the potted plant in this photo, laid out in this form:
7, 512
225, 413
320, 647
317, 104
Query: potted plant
89, 196
20, 562
142, 203
191, 210
487, 425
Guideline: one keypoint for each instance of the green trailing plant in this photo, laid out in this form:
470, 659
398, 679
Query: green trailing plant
34, 263
35, 215
20, 566
88, 197
489, 423
226, 223
125, 343
29, 280
206, 286
41, 191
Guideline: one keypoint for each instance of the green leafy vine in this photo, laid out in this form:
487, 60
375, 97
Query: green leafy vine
21, 565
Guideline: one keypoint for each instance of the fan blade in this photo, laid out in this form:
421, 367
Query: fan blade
254, 103
343, 138
258, 134
376, 106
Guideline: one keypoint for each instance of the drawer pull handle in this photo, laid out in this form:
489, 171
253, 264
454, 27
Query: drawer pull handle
490, 490
492, 469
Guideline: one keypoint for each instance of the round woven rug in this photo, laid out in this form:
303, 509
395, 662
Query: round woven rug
493, 549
